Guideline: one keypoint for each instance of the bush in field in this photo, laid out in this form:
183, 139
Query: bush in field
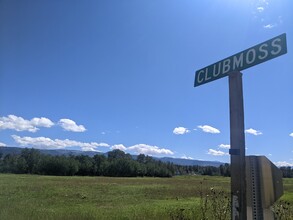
219, 204
213, 204
283, 210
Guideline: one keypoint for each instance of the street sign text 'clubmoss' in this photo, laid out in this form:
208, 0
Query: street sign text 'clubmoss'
255, 55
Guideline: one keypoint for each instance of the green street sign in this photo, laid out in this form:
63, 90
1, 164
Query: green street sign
260, 53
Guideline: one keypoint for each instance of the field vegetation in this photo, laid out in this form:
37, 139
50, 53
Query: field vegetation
58, 197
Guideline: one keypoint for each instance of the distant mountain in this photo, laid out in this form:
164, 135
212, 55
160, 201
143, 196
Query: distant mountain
189, 162
10, 150
56, 152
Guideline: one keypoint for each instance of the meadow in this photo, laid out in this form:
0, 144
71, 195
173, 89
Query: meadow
51, 197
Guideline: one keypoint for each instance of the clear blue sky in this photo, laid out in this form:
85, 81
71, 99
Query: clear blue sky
107, 74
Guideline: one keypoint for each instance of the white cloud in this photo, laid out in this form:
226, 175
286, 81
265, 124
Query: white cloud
209, 129
16, 123
186, 157
149, 150
280, 20
260, 14
260, 9
291, 135
42, 122
224, 146
180, 130
2, 144
253, 131
216, 152
143, 149
47, 143
269, 26
103, 145
283, 164
13, 122
69, 125
119, 147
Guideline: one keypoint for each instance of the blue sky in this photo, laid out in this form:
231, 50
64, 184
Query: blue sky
101, 75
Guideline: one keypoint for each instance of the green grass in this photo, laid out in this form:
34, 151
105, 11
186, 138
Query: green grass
49, 197
288, 190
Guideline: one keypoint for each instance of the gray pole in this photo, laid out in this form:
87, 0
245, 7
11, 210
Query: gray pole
237, 151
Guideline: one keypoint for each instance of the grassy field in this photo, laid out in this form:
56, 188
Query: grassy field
49, 197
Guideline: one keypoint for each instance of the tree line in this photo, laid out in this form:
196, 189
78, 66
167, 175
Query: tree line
116, 164
287, 172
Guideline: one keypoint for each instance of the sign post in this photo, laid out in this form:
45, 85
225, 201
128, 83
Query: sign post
264, 187
231, 66
237, 149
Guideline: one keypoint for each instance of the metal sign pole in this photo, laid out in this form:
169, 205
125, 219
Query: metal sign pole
237, 150
231, 66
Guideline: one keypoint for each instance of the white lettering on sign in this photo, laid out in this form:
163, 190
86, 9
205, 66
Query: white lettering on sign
238, 63
226, 66
250, 56
245, 59
206, 75
199, 78
215, 74
278, 46
264, 51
